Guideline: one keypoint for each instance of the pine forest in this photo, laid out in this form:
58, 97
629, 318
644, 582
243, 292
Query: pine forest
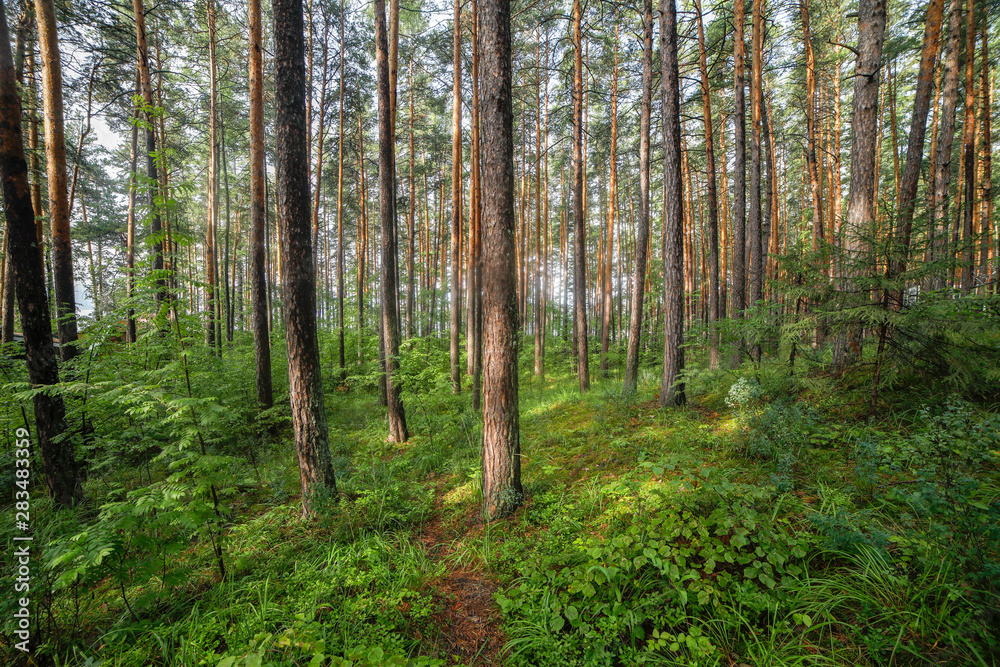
540, 333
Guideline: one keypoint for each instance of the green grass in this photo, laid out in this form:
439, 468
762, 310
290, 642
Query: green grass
784, 535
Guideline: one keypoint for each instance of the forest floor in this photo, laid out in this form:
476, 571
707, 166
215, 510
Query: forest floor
765, 523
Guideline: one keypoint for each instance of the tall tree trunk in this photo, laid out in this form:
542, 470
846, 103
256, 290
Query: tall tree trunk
946, 137
146, 84
672, 389
340, 206
540, 257
739, 210
969, 147
915, 143
62, 479
986, 251
298, 274
410, 222
361, 242
811, 111
755, 230
456, 204
609, 254
212, 340
579, 221
258, 214
502, 492
387, 214
475, 335
55, 154
864, 159
713, 200
642, 233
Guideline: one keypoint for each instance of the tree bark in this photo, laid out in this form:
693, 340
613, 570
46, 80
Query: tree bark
642, 233
258, 214
456, 204
387, 215
609, 254
672, 389
146, 85
986, 251
340, 206
739, 210
502, 492
298, 275
969, 147
212, 339
755, 231
864, 160
62, 479
55, 154
946, 137
579, 222
713, 199
915, 143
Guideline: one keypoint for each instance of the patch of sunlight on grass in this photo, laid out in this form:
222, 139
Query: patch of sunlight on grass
461, 494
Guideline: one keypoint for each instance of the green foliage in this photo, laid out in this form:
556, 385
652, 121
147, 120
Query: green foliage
636, 593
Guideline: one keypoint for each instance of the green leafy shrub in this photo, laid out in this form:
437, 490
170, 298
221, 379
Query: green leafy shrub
636, 593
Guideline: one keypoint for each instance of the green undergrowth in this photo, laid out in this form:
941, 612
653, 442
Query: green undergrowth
765, 523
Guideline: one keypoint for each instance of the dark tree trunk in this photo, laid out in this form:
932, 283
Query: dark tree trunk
340, 208
946, 138
755, 222
969, 147
713, 199
298, 273
258, 214
739, 210
456, 205
146, 84
579, 222
607, 307
502, 491
915, 142
672, 389
55, 153
642, 235
387, 214
864, 159
59, 463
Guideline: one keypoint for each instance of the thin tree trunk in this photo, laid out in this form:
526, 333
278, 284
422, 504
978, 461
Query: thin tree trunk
672, 389
986, 251
340, 206
410, 223
456, 203
969, 147
713, 200
755, 230
55, 154
258, 215
606, 308
739, 182
387, 214
946, 136
211, 338
155, 226
62, 479
579, 221
475, 309
915, 143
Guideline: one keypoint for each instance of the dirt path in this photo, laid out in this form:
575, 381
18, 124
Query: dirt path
469, 619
